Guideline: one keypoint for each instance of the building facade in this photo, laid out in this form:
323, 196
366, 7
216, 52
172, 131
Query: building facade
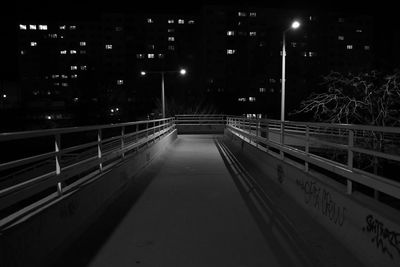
89, 69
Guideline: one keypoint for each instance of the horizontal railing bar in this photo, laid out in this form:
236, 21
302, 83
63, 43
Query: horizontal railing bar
39, 133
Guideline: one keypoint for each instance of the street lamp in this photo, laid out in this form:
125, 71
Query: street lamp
295, 25
181, 72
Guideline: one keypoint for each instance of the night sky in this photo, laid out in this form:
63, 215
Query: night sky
385, 16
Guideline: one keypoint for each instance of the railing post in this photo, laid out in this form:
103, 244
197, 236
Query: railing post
282, 139
137, 136
350, 159
57, 146
307, 147
99, 153
123, 141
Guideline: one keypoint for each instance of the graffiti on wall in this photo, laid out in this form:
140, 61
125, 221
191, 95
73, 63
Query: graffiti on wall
322, 200
388, 241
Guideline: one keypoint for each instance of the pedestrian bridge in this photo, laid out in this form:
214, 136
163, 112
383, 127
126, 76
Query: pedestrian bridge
201, 191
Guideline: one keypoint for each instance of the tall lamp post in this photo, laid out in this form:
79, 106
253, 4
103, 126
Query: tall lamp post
295, 25
181, 72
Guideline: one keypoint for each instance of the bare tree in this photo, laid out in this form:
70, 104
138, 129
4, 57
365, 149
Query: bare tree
370, 98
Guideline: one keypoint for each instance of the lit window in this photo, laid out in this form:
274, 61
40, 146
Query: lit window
53, 35
64, 84
33, 43
140, 56
230, 51
171, 47
272, 80
43, 27
311, 18
230, 33
367, 47
242, 99
74, 76
242, 14
63, 76
76, 99
171, 39
262, 90
349, 47
359, 31
22, 27
293, 44
253, 14
74, 67
160, 55
54, 76
149, 20
56, 84
82, 43
171, 30
312, 54
23, 52
252, 99
150, 55
181, 21
82, 52
62, 27
83, 67
340, 37
120, 82
108, 46
252, 33
72, 27
32, 27
170, 21
72, 52
191, 22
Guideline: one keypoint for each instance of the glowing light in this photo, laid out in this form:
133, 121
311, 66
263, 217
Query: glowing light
295, 24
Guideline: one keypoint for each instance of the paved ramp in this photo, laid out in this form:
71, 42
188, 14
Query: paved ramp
195, 212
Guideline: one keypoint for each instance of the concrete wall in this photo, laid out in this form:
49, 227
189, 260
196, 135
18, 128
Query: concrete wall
200, 129
33, 239
370, 230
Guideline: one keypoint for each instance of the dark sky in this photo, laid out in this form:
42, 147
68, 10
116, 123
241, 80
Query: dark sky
384, 12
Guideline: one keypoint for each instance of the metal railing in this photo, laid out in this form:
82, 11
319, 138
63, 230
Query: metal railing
60, 158
359, 155
200, 119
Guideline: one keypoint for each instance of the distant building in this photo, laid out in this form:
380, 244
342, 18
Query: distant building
242, 54
90, 68
77, 68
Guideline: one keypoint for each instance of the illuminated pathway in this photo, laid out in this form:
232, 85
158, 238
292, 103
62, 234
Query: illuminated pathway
194, 213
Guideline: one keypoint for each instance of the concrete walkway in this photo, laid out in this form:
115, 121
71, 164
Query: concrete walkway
191, 215
196, 213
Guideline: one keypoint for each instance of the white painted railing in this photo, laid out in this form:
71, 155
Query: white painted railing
353, 152
73, 153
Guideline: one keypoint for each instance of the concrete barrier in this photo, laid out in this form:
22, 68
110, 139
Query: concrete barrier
36, 239
200, 129
369, 229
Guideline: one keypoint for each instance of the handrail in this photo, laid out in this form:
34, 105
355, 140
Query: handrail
92, 153
298, 139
